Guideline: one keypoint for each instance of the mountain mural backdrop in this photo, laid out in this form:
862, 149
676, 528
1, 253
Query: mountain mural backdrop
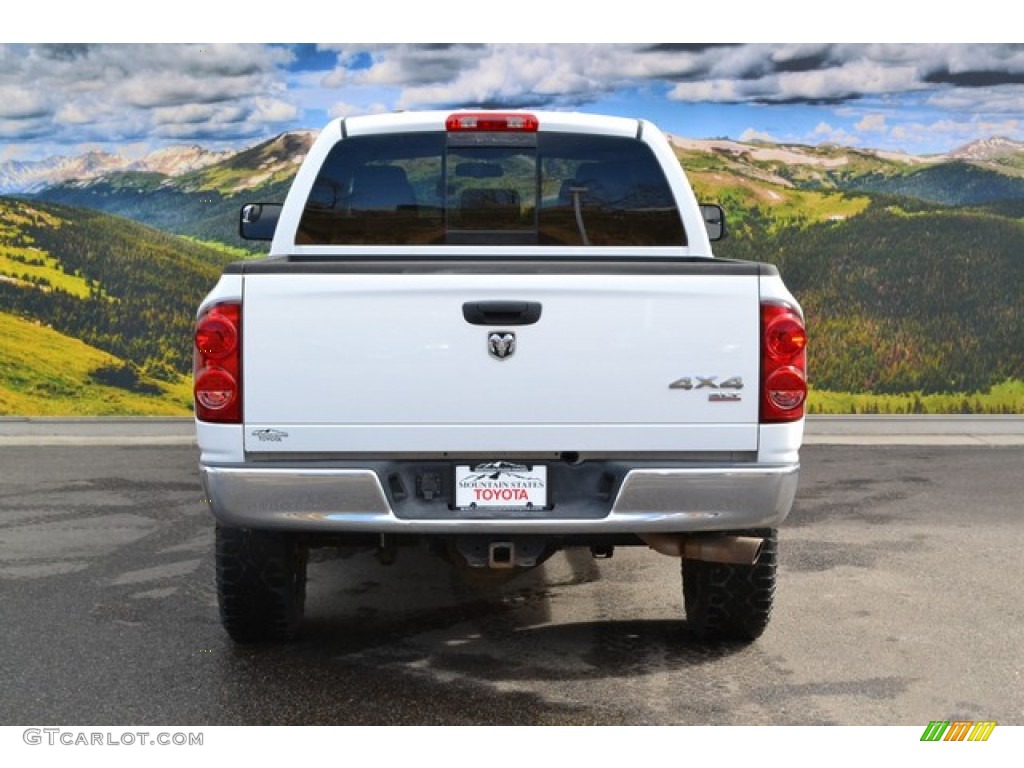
909, 267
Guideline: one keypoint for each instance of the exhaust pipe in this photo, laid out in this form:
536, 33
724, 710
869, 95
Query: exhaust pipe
738, 550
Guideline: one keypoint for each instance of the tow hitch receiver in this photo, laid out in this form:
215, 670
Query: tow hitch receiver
501, 554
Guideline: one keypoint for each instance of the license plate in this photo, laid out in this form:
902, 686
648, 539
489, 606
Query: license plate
501, 485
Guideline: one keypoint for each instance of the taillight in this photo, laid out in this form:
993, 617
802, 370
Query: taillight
217, 364
783, 364
491, 121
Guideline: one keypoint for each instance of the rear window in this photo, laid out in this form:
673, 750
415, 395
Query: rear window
483, 188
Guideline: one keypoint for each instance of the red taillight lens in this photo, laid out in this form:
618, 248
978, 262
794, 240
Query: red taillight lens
785, 337
783, 364
491, 121
216, 337
217, 364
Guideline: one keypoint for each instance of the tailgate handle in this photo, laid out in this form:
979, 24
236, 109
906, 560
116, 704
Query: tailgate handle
501, 312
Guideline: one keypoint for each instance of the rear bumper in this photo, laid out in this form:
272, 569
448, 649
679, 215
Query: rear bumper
675, 500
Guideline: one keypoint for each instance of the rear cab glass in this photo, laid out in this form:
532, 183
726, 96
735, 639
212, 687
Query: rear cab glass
438, 188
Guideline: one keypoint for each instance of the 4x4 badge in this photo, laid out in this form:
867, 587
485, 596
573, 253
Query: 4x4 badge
501, 345
706, 382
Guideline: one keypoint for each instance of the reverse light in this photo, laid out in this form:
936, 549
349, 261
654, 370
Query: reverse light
215, 388
786, 389
217, 364
783, 364
491, 121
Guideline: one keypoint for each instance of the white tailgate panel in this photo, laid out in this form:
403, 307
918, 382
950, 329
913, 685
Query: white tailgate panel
388, 363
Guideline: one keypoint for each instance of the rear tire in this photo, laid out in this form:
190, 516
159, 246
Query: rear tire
731, 602
261, 584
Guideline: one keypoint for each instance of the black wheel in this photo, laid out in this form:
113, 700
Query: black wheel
731, 602
261, 584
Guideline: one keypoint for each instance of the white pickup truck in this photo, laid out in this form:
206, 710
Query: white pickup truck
504, 334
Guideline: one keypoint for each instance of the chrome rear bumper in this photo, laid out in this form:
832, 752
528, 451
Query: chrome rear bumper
326, 500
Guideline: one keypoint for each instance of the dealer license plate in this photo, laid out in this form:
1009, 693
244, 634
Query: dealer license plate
501, 485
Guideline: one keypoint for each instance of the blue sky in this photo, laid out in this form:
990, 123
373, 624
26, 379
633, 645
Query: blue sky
133, 98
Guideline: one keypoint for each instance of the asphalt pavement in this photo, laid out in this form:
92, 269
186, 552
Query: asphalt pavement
898, 603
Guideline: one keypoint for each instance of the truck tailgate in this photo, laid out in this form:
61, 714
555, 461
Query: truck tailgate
352, 363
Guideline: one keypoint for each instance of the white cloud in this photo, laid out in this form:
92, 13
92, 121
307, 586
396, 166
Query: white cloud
74, 114
753, 135
18, 103
707, 90
116, 93
527, 74
159, 89
138, 92
873, 123
462, 74
273, 111
344, 109
1005, 99
951, 132
848, 80
824, 133
199, 113
854, 78
25, 130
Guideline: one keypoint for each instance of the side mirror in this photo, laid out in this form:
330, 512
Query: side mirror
259, 220
714, 220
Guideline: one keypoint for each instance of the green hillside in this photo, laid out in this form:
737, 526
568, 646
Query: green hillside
948, 181
949, 184
755, 208
117, 287
825, 166
23, 263
904, 298
205, 214
45, 373
902, 295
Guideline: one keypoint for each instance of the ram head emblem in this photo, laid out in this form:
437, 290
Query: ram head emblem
501, 345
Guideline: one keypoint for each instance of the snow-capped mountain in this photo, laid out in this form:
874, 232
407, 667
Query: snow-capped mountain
32, 176
174, 161
988, 150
